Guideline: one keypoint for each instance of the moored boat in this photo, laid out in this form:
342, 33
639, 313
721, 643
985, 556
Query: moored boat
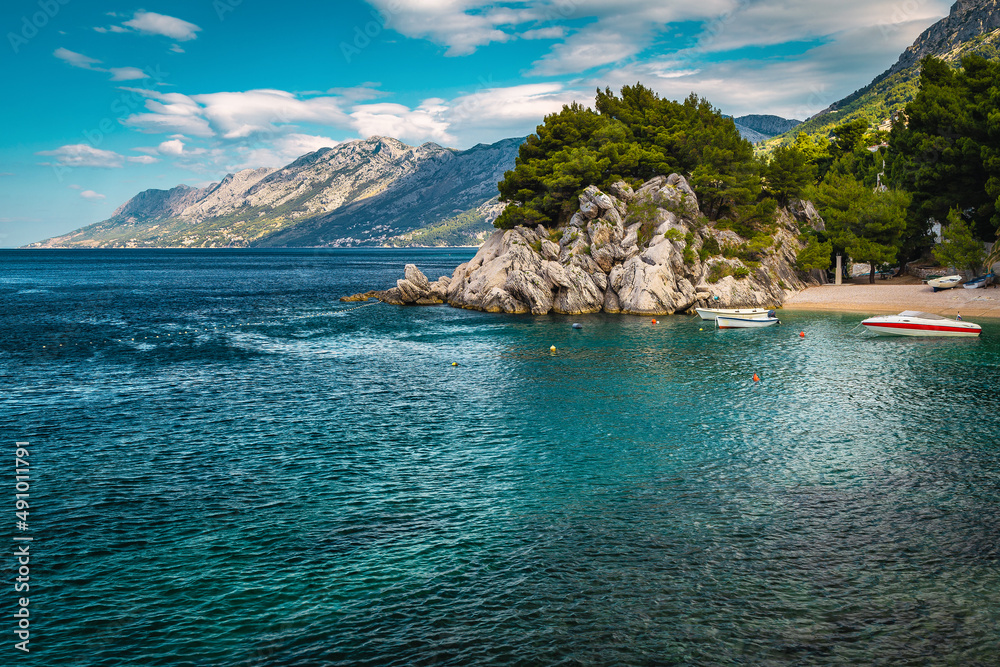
725, 322
916, 323
742, 313
945, 282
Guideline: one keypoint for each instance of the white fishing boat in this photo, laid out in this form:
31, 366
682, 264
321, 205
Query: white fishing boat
945, 282
742, 313
978, 282
725, 322
916, 323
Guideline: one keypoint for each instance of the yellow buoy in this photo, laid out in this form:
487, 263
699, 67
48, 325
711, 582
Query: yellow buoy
454, 363
552, 349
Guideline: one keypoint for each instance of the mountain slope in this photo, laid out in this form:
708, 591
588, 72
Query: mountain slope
757, 128
359, 192
972, 26
448, 182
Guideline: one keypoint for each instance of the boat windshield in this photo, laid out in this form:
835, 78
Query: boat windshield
923, 316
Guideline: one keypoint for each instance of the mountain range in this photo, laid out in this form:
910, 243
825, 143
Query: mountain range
380, 191
377, 191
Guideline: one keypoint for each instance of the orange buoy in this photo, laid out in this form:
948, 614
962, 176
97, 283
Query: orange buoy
654, 321
756, 378
802, 334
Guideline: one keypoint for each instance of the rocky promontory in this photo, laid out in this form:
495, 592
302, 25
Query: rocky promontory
645, 252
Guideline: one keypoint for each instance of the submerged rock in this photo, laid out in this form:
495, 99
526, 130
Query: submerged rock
634, 252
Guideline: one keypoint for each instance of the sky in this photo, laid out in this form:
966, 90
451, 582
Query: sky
106, 99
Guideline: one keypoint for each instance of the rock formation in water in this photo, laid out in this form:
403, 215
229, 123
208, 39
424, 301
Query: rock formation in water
644, 252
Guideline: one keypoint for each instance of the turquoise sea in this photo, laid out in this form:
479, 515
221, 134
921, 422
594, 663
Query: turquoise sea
228, 466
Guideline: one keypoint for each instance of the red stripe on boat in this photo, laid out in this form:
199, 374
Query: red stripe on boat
921, 327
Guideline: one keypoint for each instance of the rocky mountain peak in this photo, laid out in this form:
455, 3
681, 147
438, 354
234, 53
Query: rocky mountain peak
967, 20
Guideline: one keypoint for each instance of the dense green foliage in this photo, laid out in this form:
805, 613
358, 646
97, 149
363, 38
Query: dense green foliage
789, 172
816, 255
868, 225
948, 152
877, 191
958, 248
633, 138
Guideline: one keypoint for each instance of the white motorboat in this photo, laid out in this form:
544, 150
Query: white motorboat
742, 313
916, 323
945, 282
725, 322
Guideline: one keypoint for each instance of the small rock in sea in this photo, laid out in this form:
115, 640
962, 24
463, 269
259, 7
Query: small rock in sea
577, 325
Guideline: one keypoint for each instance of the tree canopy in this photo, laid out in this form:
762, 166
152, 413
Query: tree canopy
878, 191
632, 137
947, 153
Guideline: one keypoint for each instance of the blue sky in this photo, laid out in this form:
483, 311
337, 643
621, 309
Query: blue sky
107, 99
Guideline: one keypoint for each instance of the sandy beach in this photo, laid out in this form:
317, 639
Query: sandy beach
895, 295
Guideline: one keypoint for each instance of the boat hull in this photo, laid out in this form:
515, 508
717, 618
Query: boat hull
949, 328
947, 282
978, 283
744, 323
741, 313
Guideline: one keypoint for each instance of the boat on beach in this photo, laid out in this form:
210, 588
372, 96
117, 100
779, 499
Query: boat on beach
742, 313
945, 282
725, 322
979, 282
916, 323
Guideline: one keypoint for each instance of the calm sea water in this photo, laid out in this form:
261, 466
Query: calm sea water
230, 467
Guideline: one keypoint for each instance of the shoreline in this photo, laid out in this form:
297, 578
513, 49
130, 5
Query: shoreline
894, 296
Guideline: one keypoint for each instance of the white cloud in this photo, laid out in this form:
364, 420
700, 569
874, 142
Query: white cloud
234, 115
588, 49
74, 187
90, 195
83, 155
127, 74
556, 32
788, 87
142, 159
511, 109
176, 48
282, 150
783, 21
159, 24
77, 59
426, 122
172, 147
458, 24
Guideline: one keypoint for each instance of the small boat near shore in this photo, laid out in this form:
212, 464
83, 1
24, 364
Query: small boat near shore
916, 323
945, 282
742, 313
724, 322
979, 282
